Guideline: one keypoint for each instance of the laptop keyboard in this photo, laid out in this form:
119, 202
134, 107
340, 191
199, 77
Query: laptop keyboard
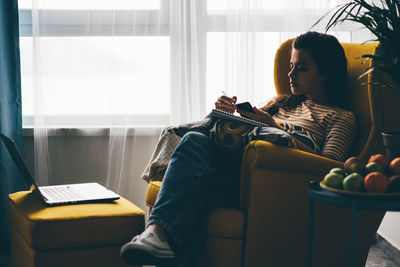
60, 193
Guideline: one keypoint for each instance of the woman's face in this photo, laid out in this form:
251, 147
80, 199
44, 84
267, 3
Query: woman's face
304, 76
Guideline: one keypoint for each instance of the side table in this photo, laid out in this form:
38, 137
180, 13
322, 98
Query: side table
355, 203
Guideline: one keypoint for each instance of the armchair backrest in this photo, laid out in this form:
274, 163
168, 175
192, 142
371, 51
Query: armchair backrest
361, 98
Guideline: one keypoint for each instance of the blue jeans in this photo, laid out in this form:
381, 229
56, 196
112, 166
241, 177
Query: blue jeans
199, 177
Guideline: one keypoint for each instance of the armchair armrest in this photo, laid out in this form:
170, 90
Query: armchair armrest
261, 155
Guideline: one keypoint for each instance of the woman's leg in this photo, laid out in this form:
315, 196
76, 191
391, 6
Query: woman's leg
183, 201
183, 198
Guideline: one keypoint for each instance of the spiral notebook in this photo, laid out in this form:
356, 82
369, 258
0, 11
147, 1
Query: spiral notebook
216, 113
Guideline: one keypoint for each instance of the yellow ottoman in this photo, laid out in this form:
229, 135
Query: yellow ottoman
72, 235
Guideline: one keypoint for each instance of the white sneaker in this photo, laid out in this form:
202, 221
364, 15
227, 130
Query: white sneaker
147, 249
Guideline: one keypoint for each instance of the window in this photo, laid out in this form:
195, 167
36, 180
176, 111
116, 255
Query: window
132, 81
79, 87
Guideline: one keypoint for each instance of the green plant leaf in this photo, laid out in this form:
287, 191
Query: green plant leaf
382, 19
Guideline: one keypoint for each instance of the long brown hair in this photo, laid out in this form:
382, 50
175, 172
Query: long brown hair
331, 61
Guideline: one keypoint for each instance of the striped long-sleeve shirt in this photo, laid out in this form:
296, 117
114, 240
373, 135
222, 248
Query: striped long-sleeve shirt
332, 129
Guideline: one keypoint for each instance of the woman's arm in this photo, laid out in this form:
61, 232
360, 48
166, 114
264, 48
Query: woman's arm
260, 116
340, 135
266, 118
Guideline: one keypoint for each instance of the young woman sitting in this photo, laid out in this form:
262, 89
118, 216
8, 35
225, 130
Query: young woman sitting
313, 114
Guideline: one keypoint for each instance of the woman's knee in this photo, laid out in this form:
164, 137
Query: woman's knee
197, 143
197, 138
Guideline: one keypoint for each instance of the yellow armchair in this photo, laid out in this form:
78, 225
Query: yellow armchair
270, 227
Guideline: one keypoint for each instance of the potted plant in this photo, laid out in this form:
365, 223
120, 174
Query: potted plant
381, 18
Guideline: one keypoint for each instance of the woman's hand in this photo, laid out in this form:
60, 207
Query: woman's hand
227, 104
260, 116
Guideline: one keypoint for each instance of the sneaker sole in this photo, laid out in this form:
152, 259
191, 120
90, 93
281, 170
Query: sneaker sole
143, 257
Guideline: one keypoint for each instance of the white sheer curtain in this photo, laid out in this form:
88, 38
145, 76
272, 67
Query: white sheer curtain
90, 79
121, 69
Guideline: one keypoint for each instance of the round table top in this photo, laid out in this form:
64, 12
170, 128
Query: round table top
365, 203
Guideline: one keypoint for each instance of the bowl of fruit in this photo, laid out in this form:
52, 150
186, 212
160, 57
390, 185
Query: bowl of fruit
379, 177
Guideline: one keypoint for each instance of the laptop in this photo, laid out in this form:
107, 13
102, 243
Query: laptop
59, 194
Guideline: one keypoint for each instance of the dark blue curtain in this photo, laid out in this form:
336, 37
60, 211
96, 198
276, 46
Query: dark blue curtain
10, 107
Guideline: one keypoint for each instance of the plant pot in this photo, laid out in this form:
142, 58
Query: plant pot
391, 141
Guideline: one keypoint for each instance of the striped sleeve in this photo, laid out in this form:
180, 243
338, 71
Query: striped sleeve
340, 135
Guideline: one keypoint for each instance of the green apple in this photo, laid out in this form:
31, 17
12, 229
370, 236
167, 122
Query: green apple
333, 180
373, 167
353, 182
339, 171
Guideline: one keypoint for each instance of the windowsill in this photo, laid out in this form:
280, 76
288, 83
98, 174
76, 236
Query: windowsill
96, 125
97, 131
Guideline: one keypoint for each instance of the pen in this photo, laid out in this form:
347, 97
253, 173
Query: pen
224, 93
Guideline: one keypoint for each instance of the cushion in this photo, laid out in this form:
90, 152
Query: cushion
232, 135
152, 192
45, 227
